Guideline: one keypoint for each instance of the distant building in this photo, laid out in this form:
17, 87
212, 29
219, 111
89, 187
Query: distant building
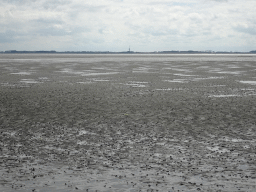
166, 52
10, 51
15, 51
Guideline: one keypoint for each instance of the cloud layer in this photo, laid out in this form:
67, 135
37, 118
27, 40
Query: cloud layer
113, 25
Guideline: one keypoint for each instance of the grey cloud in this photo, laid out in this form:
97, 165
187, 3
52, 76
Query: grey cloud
49, 4
152, 30
220, 0
248, 30
160, 32
39, 28
101, 30
10, 36
55, 27
46, 27
88, 8
175, 3
53, 31
43, 21
6, 38
139, 21
18, 2
38, 4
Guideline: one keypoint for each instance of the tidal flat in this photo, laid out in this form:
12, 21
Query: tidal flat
74, 122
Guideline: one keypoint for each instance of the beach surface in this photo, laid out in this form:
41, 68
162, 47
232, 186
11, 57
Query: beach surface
73, 122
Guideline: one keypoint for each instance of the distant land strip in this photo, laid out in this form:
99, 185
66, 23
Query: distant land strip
126, 52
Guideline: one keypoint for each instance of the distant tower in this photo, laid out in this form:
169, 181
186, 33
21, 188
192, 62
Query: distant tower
129, 49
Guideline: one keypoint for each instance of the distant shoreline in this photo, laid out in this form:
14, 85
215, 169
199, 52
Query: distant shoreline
128, 52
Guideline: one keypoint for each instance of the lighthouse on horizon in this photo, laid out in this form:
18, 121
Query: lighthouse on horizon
129, 50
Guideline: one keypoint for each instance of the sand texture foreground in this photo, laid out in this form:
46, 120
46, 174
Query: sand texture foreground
127, 122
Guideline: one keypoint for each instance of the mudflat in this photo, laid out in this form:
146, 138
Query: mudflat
73, 122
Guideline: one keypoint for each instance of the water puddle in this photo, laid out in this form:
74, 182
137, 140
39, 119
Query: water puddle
83, 132
81, 142
184, 70
29, 81
71, 71
171, 89
142, 70
100, 80
249, 82
138, 82
85, 72
8, 85
220, 96
85, 82
185, 75
206, 78
215, 86
235, 140
247, 89
96, 74
233, 66
203, 67
136, 85
177, 81
231, 72
43, 78
22, 73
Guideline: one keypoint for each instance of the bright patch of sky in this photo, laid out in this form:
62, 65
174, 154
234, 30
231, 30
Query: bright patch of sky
114, 25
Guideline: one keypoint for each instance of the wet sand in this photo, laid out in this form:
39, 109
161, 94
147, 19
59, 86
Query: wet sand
127, 122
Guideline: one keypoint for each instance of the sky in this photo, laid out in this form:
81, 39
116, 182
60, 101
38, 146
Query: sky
114, 25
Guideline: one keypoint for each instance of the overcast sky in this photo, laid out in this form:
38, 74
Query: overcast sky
114, 25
